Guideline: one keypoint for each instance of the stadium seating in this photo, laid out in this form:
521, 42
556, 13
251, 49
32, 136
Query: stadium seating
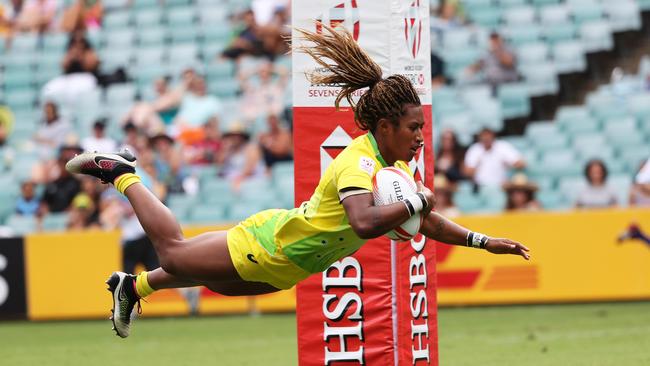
550, 38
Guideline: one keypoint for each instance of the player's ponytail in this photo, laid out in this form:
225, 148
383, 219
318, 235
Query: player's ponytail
352, 69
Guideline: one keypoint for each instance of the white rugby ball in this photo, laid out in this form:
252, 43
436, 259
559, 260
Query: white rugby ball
391, 185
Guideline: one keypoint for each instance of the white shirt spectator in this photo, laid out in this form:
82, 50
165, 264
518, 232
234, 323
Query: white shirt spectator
99, 144
98, 141
55, 133
643, 177
491, 165
597, 196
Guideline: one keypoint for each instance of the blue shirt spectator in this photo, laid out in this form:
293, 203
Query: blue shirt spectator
27, 203
197, 107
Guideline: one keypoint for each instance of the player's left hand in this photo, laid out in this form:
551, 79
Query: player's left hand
506, 246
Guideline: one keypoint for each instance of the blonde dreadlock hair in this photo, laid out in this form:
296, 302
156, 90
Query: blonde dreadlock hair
352, 70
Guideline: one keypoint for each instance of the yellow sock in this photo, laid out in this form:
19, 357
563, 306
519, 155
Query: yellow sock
142, 285
125, 180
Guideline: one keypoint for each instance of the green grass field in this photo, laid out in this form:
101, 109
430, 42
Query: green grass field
594, 334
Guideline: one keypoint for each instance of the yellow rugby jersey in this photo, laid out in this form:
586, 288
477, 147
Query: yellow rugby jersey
317, 233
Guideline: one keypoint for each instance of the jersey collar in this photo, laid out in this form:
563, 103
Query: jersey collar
375, 148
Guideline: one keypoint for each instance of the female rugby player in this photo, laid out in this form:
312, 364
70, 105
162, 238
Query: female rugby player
275, 249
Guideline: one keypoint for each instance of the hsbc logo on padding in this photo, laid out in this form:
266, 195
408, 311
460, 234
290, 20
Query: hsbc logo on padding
413, 28
332, 147
345, 13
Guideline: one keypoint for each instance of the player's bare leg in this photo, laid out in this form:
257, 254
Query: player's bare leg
204, 259
159, 279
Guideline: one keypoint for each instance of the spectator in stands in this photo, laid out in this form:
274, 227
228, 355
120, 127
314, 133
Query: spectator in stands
61, 189
80, 56
263, 91
521, 194
449, 157
152, 177
640, 192
249, 41
446, 17
37, 16
83, 15
84, 210
276, 31
166, 103
499, 64
488, 161
197, 108
111, 211
98, 141
154, 115
134, 140
276, 143
79, 212
80, 71
28, 203
168, 162
240, 158
438, 79
597, 193
205, 150
54, 131
445, 196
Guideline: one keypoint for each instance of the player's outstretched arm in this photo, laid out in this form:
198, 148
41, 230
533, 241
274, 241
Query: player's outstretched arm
437, 227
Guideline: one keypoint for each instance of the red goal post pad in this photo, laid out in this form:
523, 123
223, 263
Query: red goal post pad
378, 306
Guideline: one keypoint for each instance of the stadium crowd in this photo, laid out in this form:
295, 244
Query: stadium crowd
490, 162
176, 130
182, 131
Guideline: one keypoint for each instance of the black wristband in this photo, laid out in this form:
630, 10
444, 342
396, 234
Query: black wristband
470, 238
409, 207
476, 240
425, 203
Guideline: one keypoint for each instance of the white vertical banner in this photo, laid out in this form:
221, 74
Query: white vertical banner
395, 33
410, 42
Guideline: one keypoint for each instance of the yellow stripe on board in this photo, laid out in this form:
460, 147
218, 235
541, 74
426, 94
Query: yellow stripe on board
66, 274
575, 257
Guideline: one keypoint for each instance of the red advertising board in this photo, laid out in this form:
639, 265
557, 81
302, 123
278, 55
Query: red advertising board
378, 306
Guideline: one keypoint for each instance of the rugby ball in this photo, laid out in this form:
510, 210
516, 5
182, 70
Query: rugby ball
391, 185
